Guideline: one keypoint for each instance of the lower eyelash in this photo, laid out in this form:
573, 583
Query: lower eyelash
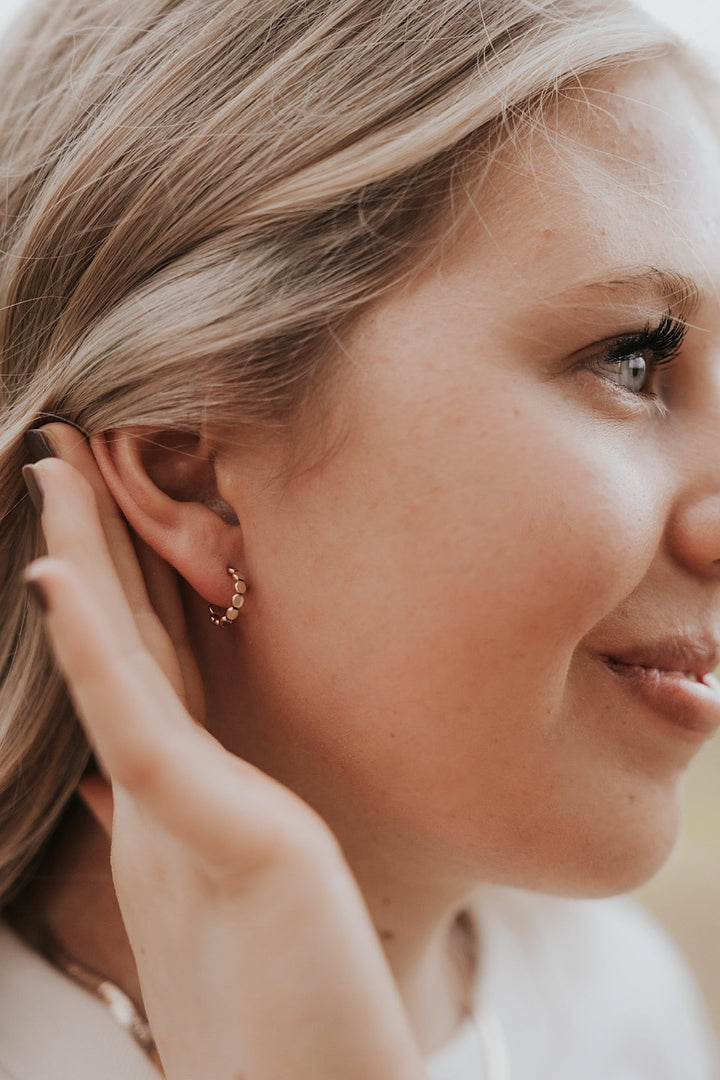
654, 405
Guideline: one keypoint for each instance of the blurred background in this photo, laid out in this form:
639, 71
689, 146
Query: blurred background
685, 895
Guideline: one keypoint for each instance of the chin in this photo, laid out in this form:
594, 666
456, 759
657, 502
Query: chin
607, 858
624, 864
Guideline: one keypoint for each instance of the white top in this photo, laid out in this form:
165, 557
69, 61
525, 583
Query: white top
579, 990
568, 990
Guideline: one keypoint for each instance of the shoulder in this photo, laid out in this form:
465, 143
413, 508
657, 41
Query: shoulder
610, 975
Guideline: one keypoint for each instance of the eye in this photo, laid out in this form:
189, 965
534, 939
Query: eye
630, 361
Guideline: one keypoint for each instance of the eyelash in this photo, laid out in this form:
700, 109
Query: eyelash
659, 345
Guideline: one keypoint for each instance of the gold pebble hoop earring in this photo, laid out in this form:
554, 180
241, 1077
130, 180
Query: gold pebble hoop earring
225, 618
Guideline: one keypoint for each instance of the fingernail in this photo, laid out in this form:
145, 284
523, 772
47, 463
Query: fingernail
37, 592
32, 482
39, 445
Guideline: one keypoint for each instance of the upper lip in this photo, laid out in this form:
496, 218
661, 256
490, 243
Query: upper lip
691, 654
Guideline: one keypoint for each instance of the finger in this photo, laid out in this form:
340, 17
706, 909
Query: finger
164, 592
122, 696
71, 446
233, 816
75, 532
148, 582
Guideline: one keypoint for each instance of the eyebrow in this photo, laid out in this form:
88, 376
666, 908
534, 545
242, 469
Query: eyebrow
681, 293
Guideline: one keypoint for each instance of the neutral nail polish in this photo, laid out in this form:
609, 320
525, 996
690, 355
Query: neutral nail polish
38, 445
35, 491
38, 594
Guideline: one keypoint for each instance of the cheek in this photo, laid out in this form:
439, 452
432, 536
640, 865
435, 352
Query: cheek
570, 522
442, 571
421, 602
521, 535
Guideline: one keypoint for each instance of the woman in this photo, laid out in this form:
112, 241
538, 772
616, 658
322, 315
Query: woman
388, 332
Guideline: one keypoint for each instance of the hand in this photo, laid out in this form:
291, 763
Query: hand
243, 916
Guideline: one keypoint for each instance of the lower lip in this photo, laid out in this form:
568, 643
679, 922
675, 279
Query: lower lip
691, 706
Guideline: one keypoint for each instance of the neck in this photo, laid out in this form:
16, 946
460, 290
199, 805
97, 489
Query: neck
413, 896
424, 927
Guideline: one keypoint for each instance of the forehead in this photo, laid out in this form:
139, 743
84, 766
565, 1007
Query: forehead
618, 172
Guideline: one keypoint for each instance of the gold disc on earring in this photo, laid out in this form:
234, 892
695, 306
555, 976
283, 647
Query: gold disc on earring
218, 617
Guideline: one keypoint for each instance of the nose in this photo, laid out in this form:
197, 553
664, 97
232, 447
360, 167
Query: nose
694, 532
693, 528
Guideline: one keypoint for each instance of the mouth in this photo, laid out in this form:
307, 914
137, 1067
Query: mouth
689, 699
656, 669
692, 657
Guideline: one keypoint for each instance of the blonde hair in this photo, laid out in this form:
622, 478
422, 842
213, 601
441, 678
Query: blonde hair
195, 195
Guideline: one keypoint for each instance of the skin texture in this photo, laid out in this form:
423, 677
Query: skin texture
418, 653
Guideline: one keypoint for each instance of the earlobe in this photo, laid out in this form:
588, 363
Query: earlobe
164, 485
96, 793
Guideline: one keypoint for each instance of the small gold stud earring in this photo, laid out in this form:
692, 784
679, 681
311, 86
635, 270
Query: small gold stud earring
218, 617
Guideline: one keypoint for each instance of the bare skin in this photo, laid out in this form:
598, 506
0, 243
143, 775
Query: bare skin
418, 659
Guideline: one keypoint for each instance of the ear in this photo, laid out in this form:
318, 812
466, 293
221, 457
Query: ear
97, 795
164, 484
